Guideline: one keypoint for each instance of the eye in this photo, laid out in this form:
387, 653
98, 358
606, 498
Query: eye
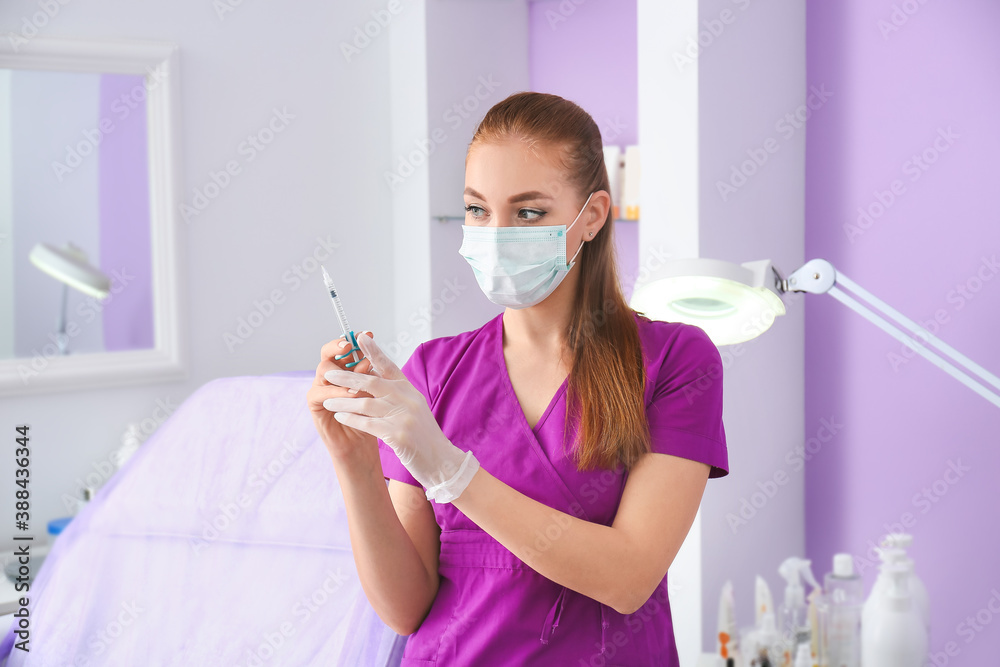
472, 207
532, 212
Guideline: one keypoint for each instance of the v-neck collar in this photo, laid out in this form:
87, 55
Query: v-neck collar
510, 385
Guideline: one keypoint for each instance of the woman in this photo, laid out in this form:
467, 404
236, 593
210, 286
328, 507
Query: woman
565, 444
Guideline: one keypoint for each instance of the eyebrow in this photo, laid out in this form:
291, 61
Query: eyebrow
524, 196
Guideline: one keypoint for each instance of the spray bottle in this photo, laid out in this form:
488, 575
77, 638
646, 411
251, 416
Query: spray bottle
793, 613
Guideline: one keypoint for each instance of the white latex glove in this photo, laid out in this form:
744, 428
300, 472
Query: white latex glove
398, 414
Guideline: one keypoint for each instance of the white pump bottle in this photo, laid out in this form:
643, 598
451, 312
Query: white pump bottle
892, 551
893, 633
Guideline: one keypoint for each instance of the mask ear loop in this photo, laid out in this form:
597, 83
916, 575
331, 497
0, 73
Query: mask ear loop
570, 262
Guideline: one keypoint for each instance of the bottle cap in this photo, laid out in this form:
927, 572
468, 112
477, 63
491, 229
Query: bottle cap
56, 526
897, 540
843, 566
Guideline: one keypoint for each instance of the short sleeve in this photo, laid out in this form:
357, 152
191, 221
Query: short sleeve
685, 413
415, 371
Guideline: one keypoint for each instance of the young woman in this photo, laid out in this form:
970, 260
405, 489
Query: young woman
544, 468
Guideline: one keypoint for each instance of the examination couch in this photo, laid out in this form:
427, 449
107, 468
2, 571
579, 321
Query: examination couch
221, 541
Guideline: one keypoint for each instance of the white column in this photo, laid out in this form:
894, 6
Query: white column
409, 261
716, 79
668, 224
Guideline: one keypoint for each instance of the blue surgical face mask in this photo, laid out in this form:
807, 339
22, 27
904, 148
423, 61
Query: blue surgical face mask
518, 267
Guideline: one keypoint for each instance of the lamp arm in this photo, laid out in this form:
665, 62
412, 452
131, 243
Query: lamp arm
818, 276
922, 333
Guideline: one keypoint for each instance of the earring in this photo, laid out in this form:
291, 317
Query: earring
591, 233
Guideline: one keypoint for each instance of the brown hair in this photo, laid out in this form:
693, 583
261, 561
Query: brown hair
608, 380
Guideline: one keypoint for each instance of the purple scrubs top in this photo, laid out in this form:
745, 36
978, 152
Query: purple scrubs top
491, 608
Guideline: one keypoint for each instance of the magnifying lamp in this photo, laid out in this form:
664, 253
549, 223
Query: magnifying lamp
734, 303
69, 265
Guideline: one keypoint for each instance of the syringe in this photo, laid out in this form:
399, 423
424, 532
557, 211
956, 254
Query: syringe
342, 316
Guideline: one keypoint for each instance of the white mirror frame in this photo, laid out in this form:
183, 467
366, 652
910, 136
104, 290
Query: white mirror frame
49, 371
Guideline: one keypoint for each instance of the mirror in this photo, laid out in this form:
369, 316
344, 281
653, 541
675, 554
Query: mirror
88, 248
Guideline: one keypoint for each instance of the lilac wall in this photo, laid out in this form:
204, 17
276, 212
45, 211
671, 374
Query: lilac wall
587, 53
905, 86
123, 184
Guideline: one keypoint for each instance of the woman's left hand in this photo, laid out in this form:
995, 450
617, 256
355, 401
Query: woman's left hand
398, 414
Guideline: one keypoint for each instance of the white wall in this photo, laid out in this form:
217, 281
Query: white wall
6, 221
467, 74
320, 178
50, 111
714, 79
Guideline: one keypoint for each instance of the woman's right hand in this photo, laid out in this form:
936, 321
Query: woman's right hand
343, 442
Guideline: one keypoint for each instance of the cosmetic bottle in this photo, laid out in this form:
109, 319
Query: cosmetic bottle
630, 185
844, 598
763, 600
87, 495
818, 627
803, 657
613, 164
793, 613
893, 633
892, 550
131, 440
728, 640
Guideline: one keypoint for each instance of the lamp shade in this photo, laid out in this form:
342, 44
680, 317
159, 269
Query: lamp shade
70, 265
731, 302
